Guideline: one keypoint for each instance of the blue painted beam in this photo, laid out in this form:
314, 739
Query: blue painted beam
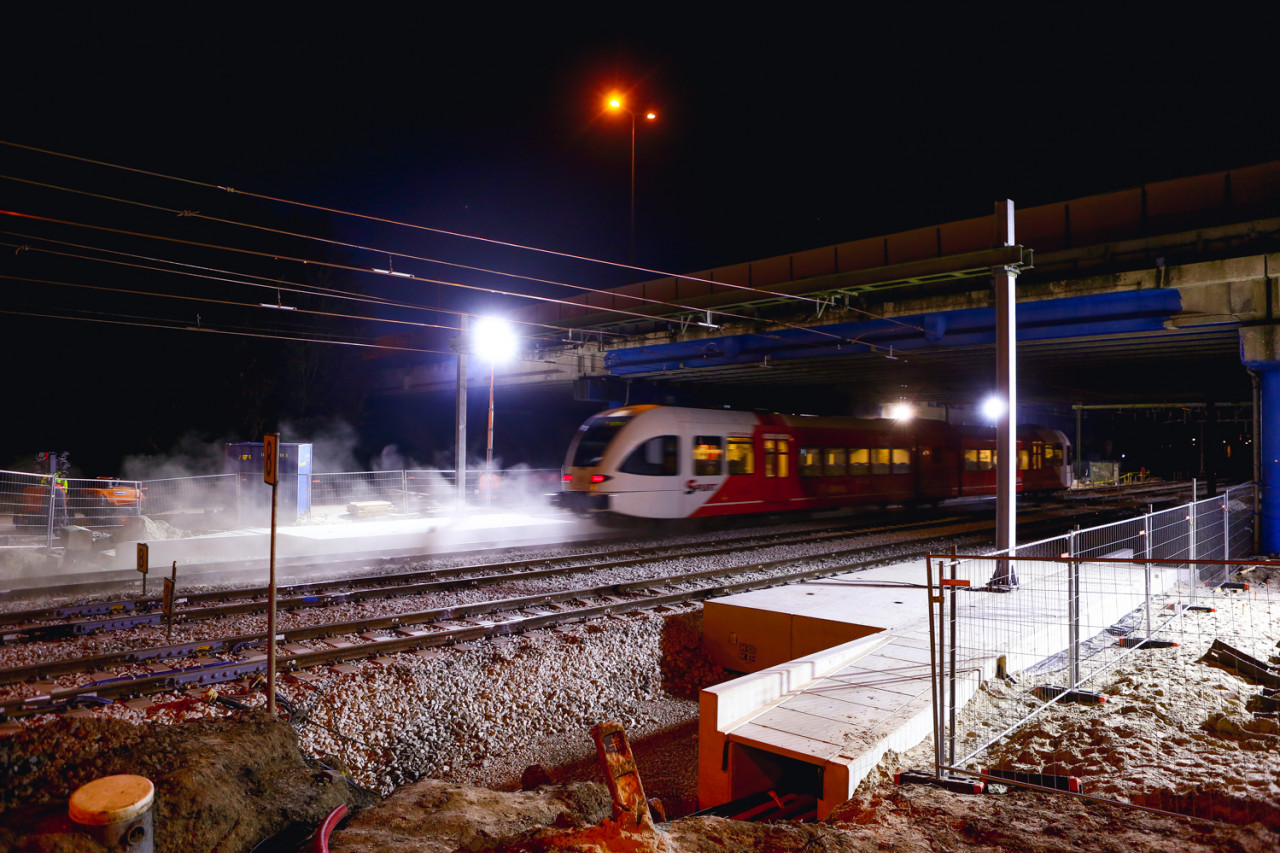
1127, 312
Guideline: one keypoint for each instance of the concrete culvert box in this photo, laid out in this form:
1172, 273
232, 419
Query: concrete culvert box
116, 811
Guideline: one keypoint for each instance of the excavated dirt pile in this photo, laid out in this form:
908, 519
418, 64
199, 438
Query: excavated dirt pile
221, 784
227, 785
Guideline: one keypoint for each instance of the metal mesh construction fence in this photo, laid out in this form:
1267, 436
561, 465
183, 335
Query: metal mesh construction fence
38, 506
1131, 662
36, 503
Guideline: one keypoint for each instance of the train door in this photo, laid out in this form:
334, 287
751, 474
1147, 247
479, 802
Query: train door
779, 488
707, 467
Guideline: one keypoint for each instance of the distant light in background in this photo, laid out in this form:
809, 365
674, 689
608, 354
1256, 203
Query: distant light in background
992, 408
902, 411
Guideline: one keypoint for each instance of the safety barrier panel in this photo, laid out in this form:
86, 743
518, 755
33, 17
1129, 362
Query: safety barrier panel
1094, 653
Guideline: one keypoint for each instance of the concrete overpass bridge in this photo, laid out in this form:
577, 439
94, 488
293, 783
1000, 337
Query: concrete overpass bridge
1163, 293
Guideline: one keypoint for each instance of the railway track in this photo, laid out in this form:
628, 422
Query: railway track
112, 615
200, 663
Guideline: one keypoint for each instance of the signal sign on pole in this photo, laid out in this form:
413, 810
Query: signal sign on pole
270, 449
142, 557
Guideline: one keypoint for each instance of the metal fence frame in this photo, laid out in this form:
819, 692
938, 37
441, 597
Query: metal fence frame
41, 504
1163, 560
227, 501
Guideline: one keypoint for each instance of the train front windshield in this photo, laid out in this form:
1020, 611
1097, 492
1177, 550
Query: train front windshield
595, 437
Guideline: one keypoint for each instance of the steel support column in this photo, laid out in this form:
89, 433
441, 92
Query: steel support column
1007, 392
1269, 447
1260, 352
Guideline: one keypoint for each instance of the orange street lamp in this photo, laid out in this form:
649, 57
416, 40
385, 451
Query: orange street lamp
615, 103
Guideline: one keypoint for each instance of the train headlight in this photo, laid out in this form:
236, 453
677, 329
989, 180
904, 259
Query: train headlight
599, 478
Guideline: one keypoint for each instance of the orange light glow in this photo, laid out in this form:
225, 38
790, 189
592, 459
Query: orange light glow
614, 102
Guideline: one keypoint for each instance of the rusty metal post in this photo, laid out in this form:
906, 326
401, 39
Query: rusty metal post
630, 808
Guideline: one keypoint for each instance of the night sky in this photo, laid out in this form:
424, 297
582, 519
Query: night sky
775, 134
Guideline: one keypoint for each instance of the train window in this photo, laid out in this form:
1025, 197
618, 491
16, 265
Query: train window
657, 457
979, 460
834, 462
810, 462
596, 435
879, 460
859, 461
1037, 454
1024, 459
901, 460
1053, 455
776, 461
742, 456
708, 456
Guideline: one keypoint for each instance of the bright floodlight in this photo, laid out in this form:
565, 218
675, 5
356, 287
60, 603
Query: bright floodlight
651, 115
901, 411
493, 340
615, 103
992, 408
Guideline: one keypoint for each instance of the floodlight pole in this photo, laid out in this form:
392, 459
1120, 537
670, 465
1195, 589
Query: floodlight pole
461, 344
1007, 392
488, 453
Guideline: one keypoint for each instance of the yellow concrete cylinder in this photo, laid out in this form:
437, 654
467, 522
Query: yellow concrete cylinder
116, 810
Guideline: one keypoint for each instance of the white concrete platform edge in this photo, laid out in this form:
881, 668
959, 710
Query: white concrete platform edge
723, 707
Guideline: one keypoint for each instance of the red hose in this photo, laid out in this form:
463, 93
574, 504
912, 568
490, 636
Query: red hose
320, 841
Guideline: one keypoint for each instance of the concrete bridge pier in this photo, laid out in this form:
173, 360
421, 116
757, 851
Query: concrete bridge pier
1260, 352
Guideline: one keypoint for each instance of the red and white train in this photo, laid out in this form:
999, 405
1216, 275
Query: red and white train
665, 462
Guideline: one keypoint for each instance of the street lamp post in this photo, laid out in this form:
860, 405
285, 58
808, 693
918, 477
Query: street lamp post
615, 103
493, 340
461, 345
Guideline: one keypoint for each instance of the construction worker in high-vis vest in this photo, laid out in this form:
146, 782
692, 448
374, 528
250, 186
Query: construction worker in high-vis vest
59, 500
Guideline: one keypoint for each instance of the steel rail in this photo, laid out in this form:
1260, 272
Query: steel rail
217, 672
136, 612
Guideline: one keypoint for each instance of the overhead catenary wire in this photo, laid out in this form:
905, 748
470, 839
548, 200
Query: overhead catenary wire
224, 276
185, 325
388, 221
471, 268
279, 284
195, 214
327, 264
444, 232
227, 302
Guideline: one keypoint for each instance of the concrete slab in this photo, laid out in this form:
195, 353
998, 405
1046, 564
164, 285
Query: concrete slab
763, 628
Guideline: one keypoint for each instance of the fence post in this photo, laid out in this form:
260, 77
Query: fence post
935, 664
1073, 612
951, 702
1226, 538
1146, 568
1195, 538
51, 508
